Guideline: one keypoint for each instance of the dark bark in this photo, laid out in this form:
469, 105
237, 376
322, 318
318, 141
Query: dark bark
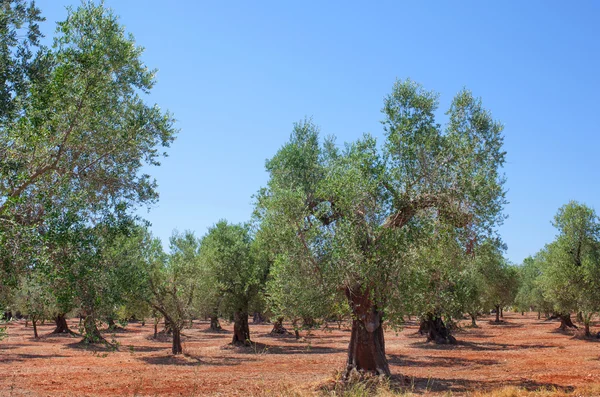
155, 327
278, 327
215, 325
241, 330
433, 326
34, 323
473, 319
168, 327
92, 333
258, 318
61, 325
502, 312
539, 315
497, 313
176, 348
587, 329
366, 350
565, 322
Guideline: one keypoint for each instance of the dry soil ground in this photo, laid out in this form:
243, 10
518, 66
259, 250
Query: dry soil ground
523, 352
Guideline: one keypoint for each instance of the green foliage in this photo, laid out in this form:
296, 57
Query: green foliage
33, 297
531, 294
355, 218
233, 269
75, 130
173, 279
570, 266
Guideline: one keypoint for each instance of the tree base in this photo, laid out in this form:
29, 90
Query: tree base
279, 329
62, 327
436, 331
565, 322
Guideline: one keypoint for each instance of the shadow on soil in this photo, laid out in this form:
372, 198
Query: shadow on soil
300, 347
458, 385
193, 360
25, 357
505, 324
484, 346
437, 361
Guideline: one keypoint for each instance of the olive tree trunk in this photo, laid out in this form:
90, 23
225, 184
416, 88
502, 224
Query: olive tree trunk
433, 326
92, 334
34, 323
215, 325
176, 347
497, 313
366, 351
241, 330
278, 327
61, 325
565, 322
473, 319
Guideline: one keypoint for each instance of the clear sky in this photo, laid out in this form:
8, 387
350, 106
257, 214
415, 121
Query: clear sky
237, 75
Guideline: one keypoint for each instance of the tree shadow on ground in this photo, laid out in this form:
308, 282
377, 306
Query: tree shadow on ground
505, 324
437, 361
215, 332
105, 347
194, 360
297, 348
459, 385
143, 349
483, 346
26, 356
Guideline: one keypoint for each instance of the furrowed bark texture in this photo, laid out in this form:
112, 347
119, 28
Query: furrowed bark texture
366, 351
241, 330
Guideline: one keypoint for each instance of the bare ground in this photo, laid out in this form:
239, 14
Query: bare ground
523, 352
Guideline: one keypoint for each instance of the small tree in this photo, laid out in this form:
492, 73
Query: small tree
235, 272
173, 280
34, 299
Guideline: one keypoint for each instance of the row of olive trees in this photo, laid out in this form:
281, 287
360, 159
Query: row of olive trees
564, 277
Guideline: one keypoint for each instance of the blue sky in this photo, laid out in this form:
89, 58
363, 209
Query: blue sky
237, 75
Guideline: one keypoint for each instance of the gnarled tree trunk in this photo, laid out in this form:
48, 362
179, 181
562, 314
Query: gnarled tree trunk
92, 334
433, 326
366, 351
473, 319
241, 330
497, 313
215, 325
278, 327
565, 322
258, 318
176, 348
61, 325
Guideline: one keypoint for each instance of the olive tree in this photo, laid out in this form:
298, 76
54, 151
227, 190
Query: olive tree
353, 216
235, 271
173, 280
74, 125
34, 299
571, 264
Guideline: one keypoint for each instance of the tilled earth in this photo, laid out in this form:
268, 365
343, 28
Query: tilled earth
522, 351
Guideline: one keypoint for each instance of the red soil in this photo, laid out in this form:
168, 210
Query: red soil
523, 352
